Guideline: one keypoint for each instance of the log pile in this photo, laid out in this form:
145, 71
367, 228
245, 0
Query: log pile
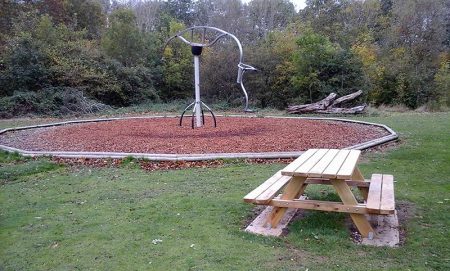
328, 105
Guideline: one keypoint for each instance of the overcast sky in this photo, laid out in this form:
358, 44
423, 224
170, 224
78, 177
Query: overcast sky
299, 4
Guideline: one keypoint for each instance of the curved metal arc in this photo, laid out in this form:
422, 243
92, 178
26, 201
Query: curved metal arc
245, 93
215, 40
242, 67
201, 44
224, 33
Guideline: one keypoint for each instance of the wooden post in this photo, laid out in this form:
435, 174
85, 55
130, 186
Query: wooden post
294, 189
348, 198
357, 176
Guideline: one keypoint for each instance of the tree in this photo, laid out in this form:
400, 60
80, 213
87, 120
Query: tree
177, 67
368, 53
442, 82
327, 17
323, 67
272, 85
148, 15
180, 10
268, 15
417, 37
78, 14
123, 40
9, 10
229, 15
25, 67
87, 14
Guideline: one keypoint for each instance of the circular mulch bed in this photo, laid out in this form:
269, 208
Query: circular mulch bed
164, 136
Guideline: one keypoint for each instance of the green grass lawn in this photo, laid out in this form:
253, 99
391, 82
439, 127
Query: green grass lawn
61, 218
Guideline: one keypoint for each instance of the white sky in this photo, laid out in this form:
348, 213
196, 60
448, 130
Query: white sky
299, 4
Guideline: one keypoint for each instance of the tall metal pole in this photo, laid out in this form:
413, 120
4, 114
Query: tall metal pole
197, 106
196, 49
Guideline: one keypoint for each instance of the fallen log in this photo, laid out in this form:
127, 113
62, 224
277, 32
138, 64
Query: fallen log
327, 105
340, 110
346, 98
307, 108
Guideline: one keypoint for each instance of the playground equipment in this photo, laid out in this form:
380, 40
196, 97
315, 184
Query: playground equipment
196, 49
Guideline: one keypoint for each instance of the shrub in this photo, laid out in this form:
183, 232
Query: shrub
49, 101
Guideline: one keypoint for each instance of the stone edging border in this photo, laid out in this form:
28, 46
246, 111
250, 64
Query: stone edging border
188, 157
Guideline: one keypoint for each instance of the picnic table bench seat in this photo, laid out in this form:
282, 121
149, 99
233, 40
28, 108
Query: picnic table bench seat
381, 199
264, 193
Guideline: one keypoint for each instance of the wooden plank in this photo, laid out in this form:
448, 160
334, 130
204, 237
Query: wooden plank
251, 197
289, 169
320, 167
357, 176
374, 197
271, 191
320, 206
387, 205
365, 184
333, 168
348, 198
347, 168
303, 170
294, 188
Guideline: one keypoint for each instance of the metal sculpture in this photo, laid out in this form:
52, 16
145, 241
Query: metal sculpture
196, 49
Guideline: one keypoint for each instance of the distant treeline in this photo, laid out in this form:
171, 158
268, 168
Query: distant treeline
66, 56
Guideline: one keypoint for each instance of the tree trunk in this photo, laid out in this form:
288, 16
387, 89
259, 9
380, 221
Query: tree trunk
326, 105
305, 108
347, 98
340, 110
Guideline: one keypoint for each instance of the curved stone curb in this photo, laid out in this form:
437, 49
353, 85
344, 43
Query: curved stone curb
187, 157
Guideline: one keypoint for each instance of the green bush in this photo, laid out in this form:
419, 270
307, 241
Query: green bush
54, 70
48, 101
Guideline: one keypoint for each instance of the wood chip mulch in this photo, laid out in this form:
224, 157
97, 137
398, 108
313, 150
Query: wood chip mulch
163, 135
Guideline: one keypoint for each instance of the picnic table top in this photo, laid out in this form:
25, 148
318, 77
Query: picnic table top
324, 163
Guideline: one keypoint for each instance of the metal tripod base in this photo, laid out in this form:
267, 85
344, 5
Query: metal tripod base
194, 107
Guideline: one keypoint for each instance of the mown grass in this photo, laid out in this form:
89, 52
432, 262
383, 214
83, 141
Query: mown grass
59, 218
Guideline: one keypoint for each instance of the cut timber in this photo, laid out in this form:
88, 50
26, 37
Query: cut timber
349, 165
387, 205
307, 108
381, 198
294, 188
312, 161
320, 206
333, 168
320, 167
287, 171
267, 190
364, 184
270, 193
374, 198
347, 198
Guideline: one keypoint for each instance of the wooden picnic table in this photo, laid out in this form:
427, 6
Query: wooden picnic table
327, 167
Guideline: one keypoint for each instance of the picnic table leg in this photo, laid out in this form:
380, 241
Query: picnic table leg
357, 176
293, 189
348, 198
